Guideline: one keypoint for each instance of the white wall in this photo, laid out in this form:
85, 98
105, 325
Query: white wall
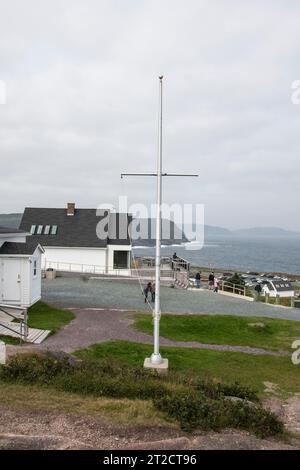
35, 281
75, 259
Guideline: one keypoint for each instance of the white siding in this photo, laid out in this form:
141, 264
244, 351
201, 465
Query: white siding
75, 259
35, 281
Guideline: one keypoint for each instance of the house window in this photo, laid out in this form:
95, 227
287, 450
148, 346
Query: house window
54, 230
47, 230
32, 230
120, 259
35, 268
39, 230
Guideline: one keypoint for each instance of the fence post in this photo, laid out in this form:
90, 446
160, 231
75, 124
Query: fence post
277, 300
267, 298
292, 302
25, 323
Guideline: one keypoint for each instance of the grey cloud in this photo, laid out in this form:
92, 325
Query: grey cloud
83, 95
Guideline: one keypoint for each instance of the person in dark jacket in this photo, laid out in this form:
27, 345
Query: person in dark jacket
198, 280
153, 293
211, 280
258, 289
147, 289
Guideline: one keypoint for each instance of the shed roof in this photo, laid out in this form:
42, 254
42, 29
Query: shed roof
15, 248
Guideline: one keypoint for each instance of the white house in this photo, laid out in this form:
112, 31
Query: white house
20, 268
81, 240
279, 288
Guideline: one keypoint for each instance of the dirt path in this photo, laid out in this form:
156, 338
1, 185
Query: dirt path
34, 429
96, 325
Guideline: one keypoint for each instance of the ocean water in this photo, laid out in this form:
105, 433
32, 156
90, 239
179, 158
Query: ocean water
259, 254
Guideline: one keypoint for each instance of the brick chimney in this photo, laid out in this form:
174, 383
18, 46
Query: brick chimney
71, 208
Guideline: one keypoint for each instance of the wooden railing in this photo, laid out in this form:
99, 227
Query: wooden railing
233, 288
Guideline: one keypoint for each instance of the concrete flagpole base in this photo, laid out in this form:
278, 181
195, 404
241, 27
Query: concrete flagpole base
162, 367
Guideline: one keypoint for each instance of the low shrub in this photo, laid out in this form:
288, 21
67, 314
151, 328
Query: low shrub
32, 368
194, 403
115, 387
195, 411
261, 422
190, 409
217, 390
83, 377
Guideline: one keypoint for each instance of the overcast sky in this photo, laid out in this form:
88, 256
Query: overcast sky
82, 98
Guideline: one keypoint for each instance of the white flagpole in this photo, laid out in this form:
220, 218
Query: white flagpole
156, 357
156, 361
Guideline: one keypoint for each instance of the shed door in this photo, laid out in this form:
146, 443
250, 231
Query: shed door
11, 280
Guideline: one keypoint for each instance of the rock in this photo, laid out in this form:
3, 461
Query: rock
257, 325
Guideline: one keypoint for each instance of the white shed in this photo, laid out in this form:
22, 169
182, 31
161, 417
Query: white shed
20, 268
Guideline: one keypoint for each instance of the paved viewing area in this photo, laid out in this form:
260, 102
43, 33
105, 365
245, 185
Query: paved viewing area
75, 292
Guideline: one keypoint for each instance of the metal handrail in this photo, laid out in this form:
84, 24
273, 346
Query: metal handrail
10, 314
23, 321
14, 331
83, 268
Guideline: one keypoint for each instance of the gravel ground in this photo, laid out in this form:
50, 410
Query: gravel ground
36, 429
74, 292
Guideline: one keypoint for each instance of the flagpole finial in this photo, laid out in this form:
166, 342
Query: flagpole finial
161, 77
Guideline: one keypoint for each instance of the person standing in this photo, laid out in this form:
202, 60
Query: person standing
198, 280
153, 293
147, 289
211, 279
258, 290
216, 285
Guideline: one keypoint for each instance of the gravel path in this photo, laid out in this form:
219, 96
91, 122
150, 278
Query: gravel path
95, 325
25, 428
75, 292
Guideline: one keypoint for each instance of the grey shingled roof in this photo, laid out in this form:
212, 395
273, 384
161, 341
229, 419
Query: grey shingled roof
13, 248
286, 286
78, 230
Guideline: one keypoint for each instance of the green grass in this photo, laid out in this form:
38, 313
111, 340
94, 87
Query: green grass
47, 317
247, 369
120, 412
9, 339
225, 329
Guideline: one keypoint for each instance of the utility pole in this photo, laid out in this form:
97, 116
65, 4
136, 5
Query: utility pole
156, 361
